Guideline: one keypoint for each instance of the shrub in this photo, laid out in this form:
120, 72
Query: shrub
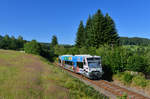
127, 78
136, 63
140, 81
120, 59
32, 47
124, 96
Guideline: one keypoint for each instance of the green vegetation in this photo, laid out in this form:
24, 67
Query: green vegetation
80, 41
32, 47
132, 79
7, 42
26, 76
134, 41
99, 30
118, 59
54, 41
140, 81
124, 96
77, 89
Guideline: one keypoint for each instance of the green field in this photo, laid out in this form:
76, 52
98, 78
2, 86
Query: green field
25, 76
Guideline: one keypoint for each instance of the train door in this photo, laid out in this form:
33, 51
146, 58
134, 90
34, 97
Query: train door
85, 68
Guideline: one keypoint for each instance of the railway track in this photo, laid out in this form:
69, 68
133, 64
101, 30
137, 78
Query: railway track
112, 90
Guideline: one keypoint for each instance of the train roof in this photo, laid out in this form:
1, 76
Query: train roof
77, 56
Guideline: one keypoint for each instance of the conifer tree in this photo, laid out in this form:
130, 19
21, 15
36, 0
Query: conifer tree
80, 38
54, 41
87, 32
96, 30
111, 36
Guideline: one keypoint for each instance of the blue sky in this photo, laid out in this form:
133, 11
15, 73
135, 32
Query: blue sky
40, 19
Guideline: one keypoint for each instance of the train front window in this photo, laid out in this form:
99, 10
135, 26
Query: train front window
94, 64
93, 59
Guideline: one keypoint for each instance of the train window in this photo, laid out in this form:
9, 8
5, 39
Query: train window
68, 63
80, 64
91, 59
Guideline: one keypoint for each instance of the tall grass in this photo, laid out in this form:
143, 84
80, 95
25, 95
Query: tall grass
77, 89
24, 76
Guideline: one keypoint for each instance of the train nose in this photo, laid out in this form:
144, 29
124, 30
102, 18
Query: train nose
95, 75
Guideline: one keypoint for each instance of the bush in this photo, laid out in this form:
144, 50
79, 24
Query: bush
140, 81
120, 59
127, 78
124, 96
115, 58
136, 63
32, 47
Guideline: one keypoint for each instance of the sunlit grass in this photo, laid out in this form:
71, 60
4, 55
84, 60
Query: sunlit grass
24, 76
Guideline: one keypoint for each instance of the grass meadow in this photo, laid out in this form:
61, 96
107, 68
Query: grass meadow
25, 76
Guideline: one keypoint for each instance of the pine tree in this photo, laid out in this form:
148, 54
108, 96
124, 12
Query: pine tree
96, 30
54, 41
111, 36
87, 32
80, 40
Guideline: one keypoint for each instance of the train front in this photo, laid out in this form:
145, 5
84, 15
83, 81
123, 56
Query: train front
94, 67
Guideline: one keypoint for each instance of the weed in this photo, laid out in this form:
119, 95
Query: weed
140, 81
127, 78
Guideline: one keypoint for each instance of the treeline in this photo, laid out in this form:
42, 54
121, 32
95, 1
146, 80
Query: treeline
33, 47
44, 49
134, 41
99, 30
13, 43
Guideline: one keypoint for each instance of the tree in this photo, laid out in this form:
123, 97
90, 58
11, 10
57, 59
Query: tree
13, 43
1, 37
99, 30
110, 32
20, 42
54, 41
32, 47
6, 42
96, 30
1, 40
87, 31
80, 38
60, 50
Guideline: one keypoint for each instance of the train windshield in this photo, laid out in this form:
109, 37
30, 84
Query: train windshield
93, 62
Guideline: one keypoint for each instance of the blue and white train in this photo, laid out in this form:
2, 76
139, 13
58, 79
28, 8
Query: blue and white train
87, 65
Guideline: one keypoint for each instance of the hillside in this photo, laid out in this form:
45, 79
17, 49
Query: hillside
134, 41
25, 76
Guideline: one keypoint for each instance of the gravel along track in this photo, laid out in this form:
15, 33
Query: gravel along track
107, 88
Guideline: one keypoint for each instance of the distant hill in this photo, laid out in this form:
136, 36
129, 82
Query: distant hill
134, 41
